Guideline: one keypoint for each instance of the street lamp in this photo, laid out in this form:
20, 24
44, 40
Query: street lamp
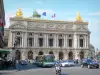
15, 44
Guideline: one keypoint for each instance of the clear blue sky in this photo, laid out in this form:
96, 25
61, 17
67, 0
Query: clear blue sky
64, 9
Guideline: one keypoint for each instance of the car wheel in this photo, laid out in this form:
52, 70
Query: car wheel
89, 66
97, 67
82, 66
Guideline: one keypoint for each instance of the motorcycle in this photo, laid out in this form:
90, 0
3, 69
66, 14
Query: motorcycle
59, 71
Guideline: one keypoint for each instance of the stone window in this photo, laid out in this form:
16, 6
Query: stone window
70, 35
19, 41
40, 42
18, 33
30, 34
81, 42
41, 34
50, 35
60, 35
61, 42
81, 35
70, 42
50, 42
30, 42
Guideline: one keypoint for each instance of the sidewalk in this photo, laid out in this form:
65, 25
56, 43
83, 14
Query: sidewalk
22, 67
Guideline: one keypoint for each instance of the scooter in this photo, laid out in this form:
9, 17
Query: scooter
59, 71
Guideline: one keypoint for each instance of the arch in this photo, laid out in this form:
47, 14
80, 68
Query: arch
30, 55
61, 55
51, 52
18, 55
81, 55
70, 55
40, 53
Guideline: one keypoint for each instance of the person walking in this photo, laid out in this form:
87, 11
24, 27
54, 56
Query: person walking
18, 65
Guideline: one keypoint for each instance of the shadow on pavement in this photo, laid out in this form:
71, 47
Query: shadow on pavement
5, 73
64, 74
25, 67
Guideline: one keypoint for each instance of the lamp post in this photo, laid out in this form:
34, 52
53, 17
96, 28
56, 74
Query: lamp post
14, 48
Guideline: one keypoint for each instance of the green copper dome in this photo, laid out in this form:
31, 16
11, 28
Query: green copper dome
36, 15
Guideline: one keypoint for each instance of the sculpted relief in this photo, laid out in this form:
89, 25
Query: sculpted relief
81, 28
69, 27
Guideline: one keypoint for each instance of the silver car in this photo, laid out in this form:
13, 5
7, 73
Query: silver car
67, 63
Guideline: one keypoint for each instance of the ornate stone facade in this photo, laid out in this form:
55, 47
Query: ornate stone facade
29, 37
66, 40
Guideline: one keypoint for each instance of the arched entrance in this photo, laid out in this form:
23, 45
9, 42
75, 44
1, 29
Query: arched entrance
18, 55
30, 55
50, 52
61, 55
40, 53
70, 55
81, 55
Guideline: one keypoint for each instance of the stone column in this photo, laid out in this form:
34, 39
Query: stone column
55, 40
85, 41
22, 40
75, 41
64, 41
45, 41
25, 40
56, 54
13, 39
23, 57
36, 40
10, 40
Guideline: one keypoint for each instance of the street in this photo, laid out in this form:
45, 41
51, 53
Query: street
51, 71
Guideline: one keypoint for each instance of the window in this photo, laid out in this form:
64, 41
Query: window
61, 42
18, 33
30, 34
19, 41
60, 35
30, 42
81, 35
50, 34
41, 34
50, 42
70, 42
70, 35
81, 42
40, 41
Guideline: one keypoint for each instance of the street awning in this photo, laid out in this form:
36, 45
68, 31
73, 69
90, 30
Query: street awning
4, 51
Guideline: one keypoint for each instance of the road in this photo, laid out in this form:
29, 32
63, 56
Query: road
51, 71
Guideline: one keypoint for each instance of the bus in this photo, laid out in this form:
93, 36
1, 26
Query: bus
45, 60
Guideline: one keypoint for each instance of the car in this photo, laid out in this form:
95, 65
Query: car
23, 62
89, 63
67, 63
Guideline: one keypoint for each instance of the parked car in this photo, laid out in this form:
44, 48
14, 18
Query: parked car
89, 63
67, 63
23, 62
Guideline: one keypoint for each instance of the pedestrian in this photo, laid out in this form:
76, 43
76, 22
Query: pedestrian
18, 65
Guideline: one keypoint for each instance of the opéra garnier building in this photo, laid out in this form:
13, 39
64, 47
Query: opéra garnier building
35, 36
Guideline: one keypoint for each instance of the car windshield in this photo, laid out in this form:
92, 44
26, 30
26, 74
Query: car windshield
89, 60
70, 61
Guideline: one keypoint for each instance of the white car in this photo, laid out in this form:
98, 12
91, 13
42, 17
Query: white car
67, 63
